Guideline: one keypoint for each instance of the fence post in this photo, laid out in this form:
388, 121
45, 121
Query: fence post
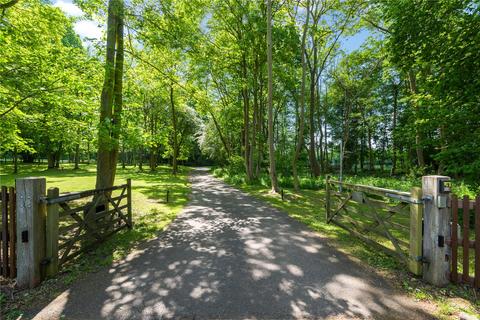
30, 230
436, 230
4, 231
52, 233
12, 230
416, 215
327, 199
129, 203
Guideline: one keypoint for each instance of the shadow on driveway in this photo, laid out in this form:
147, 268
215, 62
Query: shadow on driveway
231, 256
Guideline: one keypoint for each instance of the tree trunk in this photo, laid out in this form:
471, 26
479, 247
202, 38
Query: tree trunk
175, 137
51, 160
418, 138
153, 159
15, 161
362, 152
301, 125
314, 167
371, 160
111, 98
271, 146
77, 156
394, 126
246, 122
255, 133
88, 152
220, 134
58, 155
140, 159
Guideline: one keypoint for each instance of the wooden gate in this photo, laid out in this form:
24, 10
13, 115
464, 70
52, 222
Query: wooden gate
465, 235
389, 220
8, 267
76, 222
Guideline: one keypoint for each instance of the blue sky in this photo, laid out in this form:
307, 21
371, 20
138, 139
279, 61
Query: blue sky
352, 43
91, 29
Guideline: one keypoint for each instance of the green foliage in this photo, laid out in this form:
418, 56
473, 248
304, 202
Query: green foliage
48, 81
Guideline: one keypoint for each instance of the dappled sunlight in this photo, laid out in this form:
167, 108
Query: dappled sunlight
228, 255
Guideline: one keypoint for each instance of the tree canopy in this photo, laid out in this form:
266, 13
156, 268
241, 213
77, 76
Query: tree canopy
254, 85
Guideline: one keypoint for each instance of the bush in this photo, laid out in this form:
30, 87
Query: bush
236, 165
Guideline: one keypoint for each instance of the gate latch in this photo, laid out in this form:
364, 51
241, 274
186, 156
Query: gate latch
441, 241
25, 236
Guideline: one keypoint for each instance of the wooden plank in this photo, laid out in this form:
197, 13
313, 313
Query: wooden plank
65, 230
366, 239
129, 203
471, 243
4, 232
69, 257
454, 240
342, 205
477, 242
1, 258
68, 248
30, 221
361, 228
12, 231
82, 194
67, 212
370, 189
437, 218
76, 238
52, 234
388, 234
117, 209
87, 224
466, 231
460, 203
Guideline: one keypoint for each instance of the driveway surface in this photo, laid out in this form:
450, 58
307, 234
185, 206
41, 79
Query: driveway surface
230, 256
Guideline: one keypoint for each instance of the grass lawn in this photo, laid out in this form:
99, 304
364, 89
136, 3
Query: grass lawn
308, 206
151, 214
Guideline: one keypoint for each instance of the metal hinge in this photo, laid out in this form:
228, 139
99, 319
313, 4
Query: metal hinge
404, 198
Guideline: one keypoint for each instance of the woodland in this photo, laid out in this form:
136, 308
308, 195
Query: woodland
264, 89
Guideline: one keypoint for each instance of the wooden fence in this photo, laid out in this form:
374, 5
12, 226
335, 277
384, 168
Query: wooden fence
76, 222
8, 266
389, 220
469, 242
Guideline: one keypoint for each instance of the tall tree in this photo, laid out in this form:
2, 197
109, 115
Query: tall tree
112, 97
271, 146
301, 117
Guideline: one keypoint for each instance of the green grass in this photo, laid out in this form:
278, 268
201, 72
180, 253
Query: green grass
307, 206
401, 183
151, 214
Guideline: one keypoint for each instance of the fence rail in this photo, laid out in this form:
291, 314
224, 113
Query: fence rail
389, 220
76, 222
463, 240
8, 268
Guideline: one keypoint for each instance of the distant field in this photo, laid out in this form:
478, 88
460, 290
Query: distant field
151, 213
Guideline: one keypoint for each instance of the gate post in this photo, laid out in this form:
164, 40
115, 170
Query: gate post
436, 230
52, 234
416, 215
30, 230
